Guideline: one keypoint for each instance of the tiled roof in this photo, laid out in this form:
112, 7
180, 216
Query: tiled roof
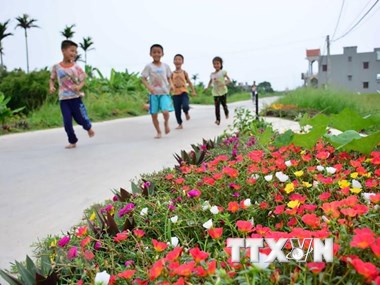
313, 52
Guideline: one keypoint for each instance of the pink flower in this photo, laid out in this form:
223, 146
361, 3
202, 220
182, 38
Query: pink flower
194, 193
72, 253
64, 241
127, 209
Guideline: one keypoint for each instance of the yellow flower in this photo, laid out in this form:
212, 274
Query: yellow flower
343, 184
93, 216
289, 188
303, 152
294, 203
356, 190
306, 184
298, 173
353, 175
368, 174
53, 243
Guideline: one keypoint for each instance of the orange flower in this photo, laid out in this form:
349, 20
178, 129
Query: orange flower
215, 233
375, 198
363, 238
233, 207
316, 267
159, 246
231, 172
185, 269
198, 255
126, 274
85, 241
121, 236
311, 220
81, 231
202, 272
156, 269
331, 210
244, 226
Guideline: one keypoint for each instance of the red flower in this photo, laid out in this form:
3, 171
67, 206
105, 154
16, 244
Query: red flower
81, 231
311, 220
88, 255
316, 267
180, 281
138, 233
174, 254
363, 238
198, 255
244, 226
215, 233
231, 172
185, 269
202, 272
322, 155
375, 198
209, 181
376, 247
156, 269
279, 209
126, 274
233, 207
159, 246
324, 196
121, 236
85, 241
366, 269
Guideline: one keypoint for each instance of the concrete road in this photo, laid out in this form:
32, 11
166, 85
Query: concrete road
44, 188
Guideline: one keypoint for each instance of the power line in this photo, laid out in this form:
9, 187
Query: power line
358, 22
337, 23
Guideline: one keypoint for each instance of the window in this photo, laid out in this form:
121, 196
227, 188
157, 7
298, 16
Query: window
365, 85
349, 58
324, 67
365, 65
378, 55
378, 77
349, 77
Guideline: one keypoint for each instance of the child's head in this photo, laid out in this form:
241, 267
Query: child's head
69, 50
178, 60
217, 63
156, 52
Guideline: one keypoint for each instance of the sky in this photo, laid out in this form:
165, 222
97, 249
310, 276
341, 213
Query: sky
258, 40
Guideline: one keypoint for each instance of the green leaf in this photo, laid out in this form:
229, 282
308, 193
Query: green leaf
309, 139
316, 121
342, 139
27, 276
30, 264
284, 139
9, 278
365, 144
265, 137
350, 120
135, 188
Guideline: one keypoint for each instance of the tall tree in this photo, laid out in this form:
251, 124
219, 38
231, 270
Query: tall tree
68, 32
26, 23
194, 77
3, 35
85, 45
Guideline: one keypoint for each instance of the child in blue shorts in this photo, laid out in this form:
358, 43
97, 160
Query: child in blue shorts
156, 77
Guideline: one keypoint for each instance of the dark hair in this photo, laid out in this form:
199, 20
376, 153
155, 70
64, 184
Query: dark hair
218, 58
67, 43
156, 46
180, 55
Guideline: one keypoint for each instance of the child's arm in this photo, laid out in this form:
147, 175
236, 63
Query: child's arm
228, 80
52, 88
79, 86
190, 84
208, 86
171, 83
147, 85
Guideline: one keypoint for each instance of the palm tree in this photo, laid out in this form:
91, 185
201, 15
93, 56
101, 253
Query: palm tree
194, 77
87, 43
26, 23
68, 32
3, 35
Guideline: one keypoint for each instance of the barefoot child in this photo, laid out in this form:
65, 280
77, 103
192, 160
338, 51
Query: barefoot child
180, 96
156, 77
71, 79
219, 80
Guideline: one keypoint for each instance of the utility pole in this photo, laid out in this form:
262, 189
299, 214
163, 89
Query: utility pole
328, 61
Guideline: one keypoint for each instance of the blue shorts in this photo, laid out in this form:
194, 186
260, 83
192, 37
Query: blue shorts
161, 103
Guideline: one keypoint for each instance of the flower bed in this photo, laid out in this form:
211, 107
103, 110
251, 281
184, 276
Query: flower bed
174, 227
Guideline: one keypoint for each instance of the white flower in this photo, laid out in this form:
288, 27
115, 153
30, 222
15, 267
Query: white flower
367, 196
174, 241
208, 225
174, 219
288, 163
206, 205
214, 210
247, 202
268, 177
331, 170
320, 168
255, 176
144, 212
102, 278
281, 176
356, 184
315, 184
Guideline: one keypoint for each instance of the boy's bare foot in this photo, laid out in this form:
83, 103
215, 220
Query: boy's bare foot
91, 133
179, 127
167, 129
71, 145
217, 122
187, 116
158, 136
226, 116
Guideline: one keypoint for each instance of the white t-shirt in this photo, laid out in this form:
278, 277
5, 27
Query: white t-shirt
158, 77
